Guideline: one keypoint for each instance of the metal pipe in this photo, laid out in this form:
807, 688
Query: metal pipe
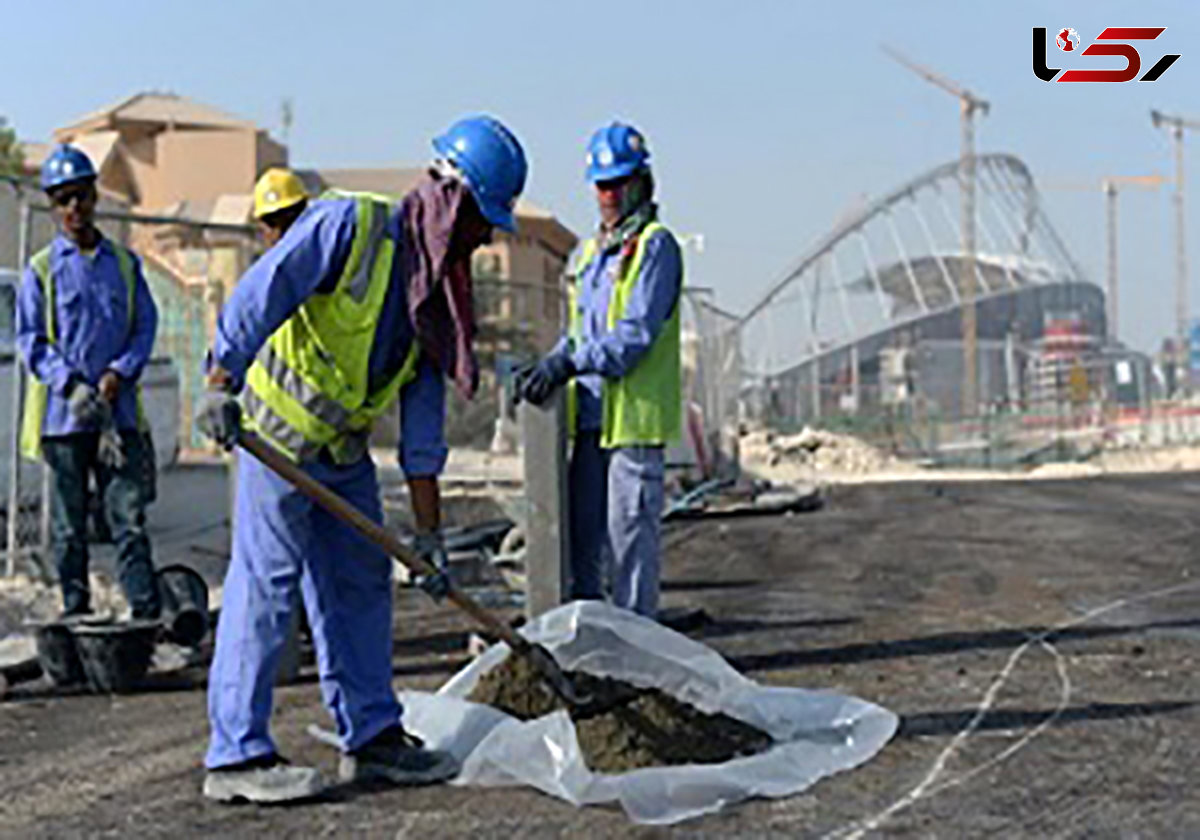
1181, 271
970, 396
24, 237
1110, 193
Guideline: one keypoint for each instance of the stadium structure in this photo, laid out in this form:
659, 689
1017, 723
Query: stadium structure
870, 319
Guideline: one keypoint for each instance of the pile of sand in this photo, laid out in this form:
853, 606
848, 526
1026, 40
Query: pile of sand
625, 728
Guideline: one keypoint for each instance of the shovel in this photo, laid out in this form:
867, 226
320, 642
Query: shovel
540, 658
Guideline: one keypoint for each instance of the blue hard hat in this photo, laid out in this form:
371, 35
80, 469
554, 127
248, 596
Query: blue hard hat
492, 164
66, 165
615, 151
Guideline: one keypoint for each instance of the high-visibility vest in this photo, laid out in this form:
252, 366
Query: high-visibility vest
307, 390
37, 393
643, 407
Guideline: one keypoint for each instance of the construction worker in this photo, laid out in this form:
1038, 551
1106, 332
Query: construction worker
85, 327
279, 199
622, 351
359, 302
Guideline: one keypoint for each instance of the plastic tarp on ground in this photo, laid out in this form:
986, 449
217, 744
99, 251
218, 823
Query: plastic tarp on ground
816, 733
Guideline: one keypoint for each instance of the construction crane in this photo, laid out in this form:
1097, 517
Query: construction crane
1177, 125
1110, 186
969, 106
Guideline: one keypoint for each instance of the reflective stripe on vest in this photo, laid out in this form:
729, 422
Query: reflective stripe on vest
37, 393
307, 389
642, 408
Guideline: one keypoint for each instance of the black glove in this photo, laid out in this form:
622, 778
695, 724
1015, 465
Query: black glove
430, 548
538, 384
220, 417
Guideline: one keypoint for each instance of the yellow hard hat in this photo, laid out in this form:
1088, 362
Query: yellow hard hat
277, 189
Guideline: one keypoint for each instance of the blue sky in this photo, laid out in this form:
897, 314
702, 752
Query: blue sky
766, 118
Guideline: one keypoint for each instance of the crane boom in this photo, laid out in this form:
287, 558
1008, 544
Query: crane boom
1173, 120
937, 79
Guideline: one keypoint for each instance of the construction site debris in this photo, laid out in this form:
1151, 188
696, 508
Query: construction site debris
818, 449
25, 601
630, 728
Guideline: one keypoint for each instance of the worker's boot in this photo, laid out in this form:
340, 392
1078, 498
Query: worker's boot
266, 780
396, 757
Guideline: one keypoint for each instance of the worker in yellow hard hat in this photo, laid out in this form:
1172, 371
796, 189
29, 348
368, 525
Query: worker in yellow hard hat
279, 199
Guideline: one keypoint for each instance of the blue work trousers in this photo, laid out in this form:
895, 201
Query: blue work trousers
281, 541
616, 504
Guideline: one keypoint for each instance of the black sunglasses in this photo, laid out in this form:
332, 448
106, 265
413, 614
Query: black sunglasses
66, 195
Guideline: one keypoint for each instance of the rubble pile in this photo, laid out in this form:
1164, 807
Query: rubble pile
25, 601
817, 449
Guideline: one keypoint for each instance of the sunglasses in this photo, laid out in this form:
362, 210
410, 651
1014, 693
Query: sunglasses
64, 197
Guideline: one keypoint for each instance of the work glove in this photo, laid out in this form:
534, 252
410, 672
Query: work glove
430, 548
537, 385
85, 403
220, 417
110, 451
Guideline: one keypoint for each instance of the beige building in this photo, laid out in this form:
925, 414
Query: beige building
158, 149
168, 156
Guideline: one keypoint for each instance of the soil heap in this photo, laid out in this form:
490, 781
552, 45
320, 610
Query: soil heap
625, 727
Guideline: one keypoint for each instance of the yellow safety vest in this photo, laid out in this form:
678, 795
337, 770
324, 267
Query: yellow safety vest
37, 393
644, 407
307, 389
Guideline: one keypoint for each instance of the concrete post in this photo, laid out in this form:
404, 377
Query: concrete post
547, 536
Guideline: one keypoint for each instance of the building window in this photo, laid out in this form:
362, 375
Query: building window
486, 265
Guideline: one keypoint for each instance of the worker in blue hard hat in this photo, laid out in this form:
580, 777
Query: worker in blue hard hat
359, 303
621, 354
85, 327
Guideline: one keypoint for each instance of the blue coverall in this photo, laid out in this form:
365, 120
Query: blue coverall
616, 495
94, 334
282, 540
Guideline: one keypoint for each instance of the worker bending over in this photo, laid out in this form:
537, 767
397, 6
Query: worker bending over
357, 303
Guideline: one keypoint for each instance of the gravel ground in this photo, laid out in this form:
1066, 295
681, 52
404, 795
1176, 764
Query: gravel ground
1039, 640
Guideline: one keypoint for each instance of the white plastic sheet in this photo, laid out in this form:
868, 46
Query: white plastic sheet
817, 733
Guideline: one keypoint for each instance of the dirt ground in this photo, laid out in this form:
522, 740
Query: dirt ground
1038, 639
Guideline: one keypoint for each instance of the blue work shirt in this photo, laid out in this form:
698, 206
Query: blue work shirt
602, 353
93, 330
309, 260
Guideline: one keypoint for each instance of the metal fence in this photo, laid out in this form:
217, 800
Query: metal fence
712, 384
1061, 426
187, 265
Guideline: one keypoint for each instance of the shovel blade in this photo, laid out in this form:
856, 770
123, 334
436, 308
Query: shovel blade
555, 677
